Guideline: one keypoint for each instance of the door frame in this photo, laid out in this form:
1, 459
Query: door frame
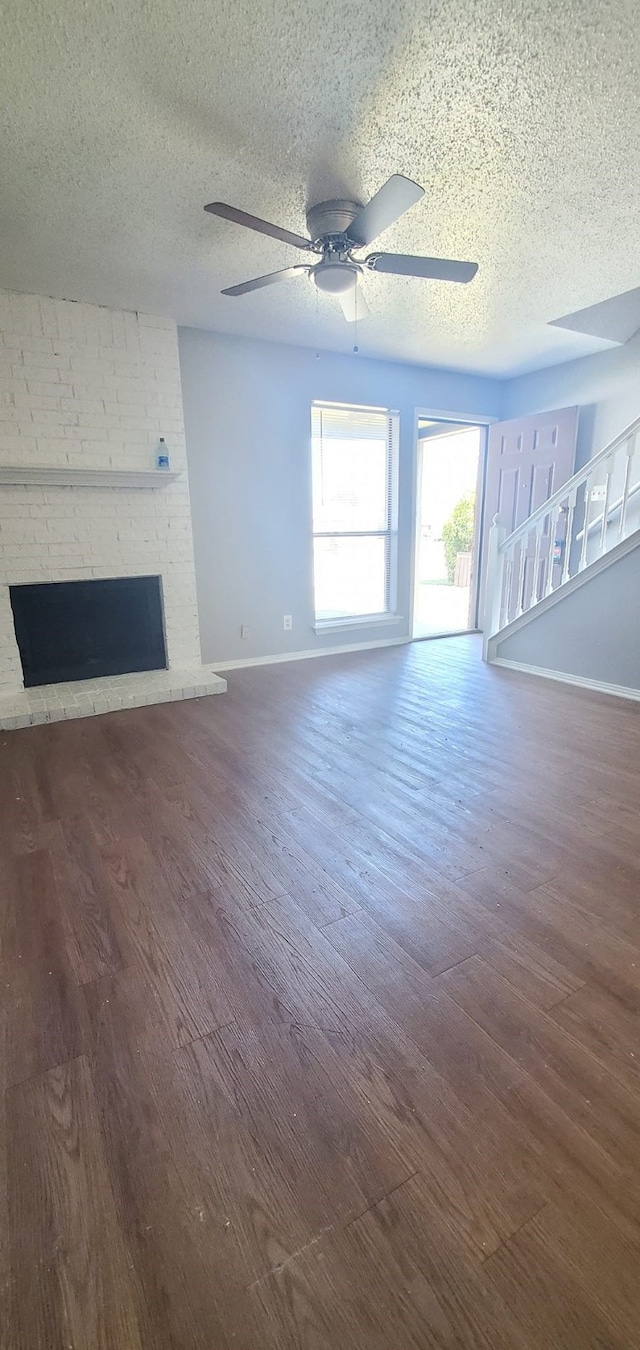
483, 421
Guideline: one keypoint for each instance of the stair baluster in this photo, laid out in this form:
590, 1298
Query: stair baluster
631, 449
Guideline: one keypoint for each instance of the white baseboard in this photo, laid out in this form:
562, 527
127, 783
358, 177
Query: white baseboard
304, 656
581, 681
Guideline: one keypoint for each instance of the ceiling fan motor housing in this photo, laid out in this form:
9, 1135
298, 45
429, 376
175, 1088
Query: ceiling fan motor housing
328, 219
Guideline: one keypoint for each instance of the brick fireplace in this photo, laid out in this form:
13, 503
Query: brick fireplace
86, 393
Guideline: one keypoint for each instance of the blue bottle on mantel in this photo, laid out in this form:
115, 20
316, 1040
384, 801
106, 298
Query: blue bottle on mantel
162, 456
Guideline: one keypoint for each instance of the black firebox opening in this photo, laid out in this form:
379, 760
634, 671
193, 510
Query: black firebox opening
78, 630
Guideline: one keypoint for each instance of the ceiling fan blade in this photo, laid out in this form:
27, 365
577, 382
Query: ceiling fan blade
254, 223
269, 280
391, 202
438, 269
353, 304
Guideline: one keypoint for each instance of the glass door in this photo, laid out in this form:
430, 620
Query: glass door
449, 474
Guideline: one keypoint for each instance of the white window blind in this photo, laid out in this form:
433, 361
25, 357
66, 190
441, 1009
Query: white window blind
354, 454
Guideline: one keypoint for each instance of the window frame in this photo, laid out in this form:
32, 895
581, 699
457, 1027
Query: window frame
390, 534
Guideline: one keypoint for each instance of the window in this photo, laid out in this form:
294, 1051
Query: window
354, 461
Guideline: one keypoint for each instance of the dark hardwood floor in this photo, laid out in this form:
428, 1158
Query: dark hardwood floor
320, 1011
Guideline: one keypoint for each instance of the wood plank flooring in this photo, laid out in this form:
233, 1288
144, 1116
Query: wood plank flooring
320, 1009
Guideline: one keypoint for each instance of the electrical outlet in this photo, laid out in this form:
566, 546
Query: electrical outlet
244, 631
287, 622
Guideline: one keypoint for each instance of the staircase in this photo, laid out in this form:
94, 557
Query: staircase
588, 524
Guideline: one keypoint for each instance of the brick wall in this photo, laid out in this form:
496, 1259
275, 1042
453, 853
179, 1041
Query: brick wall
91, 387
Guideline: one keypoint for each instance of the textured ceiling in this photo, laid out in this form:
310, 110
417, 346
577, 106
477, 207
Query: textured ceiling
521, 120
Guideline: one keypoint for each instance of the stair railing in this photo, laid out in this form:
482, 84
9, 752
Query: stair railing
580, 522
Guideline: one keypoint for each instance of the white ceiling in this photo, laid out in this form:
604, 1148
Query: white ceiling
521, 120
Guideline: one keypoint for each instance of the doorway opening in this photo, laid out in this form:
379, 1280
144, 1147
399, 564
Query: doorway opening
450, 480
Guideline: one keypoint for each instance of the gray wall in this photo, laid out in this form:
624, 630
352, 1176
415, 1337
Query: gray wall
593, 633
606, 386
247, 416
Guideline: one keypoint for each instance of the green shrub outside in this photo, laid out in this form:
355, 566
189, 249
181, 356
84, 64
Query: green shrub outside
457, 532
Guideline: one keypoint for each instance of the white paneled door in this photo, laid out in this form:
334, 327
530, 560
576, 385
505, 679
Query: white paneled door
528, 459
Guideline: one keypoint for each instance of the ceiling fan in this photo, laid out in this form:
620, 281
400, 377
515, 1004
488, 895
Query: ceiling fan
337, 230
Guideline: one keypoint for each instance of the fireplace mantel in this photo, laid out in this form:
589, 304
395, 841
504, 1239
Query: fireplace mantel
45, 475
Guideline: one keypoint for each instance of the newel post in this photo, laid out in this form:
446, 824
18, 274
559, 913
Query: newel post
493, 588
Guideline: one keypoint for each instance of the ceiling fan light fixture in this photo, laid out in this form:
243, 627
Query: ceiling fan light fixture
335, 277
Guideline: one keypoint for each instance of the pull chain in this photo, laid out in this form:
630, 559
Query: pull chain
355, 321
